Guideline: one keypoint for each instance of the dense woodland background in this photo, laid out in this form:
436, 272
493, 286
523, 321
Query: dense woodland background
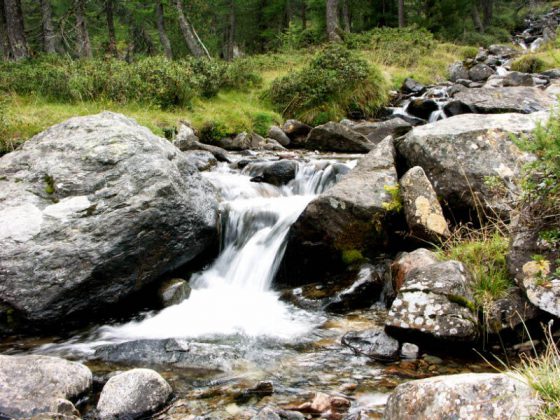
228, 28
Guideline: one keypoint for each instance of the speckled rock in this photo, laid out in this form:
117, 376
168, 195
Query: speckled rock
133, 394
470, 396
248, 141
373, 343
435, 302
186, 140
34, 385
202, 159
524, 100
458, 71
422, 210
92, 211
516, 78
510, 312
408, 261
461, 153
344, 221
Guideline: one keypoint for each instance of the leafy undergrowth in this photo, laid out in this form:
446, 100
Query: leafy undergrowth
227, 97
483, 252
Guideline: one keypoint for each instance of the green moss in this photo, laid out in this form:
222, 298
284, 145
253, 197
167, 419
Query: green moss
528, 64
49, 185
352, 256
395, 205
463, 301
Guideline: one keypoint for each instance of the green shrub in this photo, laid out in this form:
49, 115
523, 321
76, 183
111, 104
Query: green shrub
262, 122
402, 47
528, 64
335, 82
213, 131
241, 74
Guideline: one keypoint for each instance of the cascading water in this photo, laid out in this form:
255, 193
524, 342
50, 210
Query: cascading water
234, 296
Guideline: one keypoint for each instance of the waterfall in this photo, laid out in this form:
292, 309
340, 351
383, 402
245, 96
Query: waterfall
233, 295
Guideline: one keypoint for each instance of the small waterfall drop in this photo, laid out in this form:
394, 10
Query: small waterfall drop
233, 295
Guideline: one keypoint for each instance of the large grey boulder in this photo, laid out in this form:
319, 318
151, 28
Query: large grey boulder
377, 131
32, 385
91, 211
296, 131
335, 137
276, 173
435, 304
248, 141
133, 394
462, 154
276, 133
346, 221
408, 261
458, 71
524, 100
516, 78
465, 396
422, 210
480, 72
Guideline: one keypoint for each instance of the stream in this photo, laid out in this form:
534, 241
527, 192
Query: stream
235, 332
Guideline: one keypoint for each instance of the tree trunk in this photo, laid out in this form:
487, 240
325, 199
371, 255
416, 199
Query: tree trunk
84, 44
15, 29
161, 30
262, 25
333, 26
109, 12
346, 16
194, 43
476, 19
4, 41
230, 33
303, 14
402, 19
487, 12
49, 37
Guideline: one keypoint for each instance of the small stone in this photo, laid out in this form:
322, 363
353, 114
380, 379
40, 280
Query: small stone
174, 292
409, 351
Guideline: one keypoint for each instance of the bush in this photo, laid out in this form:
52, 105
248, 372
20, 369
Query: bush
241, 74
528, 64
402, 47
336, 82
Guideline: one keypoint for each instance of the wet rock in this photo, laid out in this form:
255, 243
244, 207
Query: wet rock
344, 222
171, 352
480, 72
422, 210
363, 293
278, 173
377, 131
458, 71
408, 261
133, 394
453, 108
174, 292
34, 385
412, 87
422, 108
524, 100
435, 304
203, 160
186, 140
464, 396
481, 56
297, 132
276, 133
328, 407
461, 153
335, 137
410, 351
516, 78
267, 413
373, 343
92, 211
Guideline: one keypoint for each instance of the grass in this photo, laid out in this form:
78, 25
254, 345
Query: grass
542, 373
483, 252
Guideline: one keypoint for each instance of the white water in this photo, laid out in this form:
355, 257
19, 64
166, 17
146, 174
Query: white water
234, 296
